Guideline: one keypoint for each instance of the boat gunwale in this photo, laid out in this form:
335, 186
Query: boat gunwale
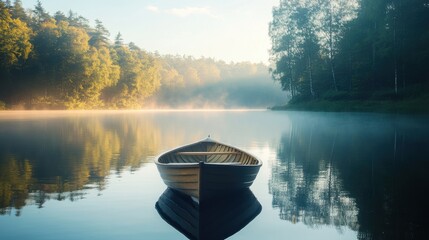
185, 165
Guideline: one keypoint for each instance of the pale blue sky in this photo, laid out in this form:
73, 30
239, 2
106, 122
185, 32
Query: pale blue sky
230, 30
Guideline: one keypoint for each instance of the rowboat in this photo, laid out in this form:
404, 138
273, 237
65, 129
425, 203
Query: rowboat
217, 218
207, 168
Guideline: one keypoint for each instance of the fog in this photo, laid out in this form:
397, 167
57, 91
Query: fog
187, 82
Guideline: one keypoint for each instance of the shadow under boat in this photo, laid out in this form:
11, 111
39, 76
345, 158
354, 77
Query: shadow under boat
218, 218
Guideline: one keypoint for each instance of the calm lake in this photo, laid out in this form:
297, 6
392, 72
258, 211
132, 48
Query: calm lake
90, 175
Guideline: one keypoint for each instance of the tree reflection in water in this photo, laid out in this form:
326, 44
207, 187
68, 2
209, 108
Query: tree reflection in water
364, 173
59, 159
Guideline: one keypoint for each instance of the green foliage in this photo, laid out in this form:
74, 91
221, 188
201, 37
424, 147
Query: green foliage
18, 12
360, 50
336, 95
40, 14
99, 35
99, 72
59, 61
139, 78
15, 43
410, 106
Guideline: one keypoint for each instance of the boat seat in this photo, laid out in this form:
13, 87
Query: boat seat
207, 153
224, 163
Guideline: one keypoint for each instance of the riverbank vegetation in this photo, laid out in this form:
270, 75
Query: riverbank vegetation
60, 61
352, 55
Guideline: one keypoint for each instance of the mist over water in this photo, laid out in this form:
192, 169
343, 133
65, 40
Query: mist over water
251, 93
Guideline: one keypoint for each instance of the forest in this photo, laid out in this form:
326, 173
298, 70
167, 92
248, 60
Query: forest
358, 50
60, 61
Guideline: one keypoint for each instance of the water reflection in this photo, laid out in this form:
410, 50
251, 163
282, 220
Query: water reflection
218, 218
367, 173
364, 173
59, 159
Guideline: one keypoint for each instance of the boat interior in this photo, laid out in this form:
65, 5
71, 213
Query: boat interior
208, 152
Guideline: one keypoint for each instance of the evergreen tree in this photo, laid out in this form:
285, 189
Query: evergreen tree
100, 35
40, 13
118, 40
19, 12
59, 16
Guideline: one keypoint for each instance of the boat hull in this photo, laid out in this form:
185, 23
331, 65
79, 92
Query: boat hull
224, 179
207, 168
185, 179
205, 180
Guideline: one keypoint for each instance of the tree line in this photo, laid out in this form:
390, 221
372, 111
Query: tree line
353, 50
60, 61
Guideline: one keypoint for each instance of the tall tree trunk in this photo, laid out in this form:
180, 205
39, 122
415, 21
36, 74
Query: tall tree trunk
331, 46
291, 83
310, 71
292, 92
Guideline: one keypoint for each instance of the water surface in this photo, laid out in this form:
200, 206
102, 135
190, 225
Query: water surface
90, 175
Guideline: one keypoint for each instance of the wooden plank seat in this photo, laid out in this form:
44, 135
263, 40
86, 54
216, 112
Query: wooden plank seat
207, 153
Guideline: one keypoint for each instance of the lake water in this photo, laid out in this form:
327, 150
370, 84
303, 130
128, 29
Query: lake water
90, 175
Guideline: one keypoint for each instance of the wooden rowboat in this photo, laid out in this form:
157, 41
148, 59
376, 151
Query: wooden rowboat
218, 218
207, 168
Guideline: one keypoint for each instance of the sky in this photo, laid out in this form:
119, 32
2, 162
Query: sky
229, 30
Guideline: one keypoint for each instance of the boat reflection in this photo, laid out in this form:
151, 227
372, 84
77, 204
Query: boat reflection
217, 218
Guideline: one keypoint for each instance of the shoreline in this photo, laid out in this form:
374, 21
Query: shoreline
411, 106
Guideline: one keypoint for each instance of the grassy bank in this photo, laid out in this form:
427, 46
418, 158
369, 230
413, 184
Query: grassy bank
412, 106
